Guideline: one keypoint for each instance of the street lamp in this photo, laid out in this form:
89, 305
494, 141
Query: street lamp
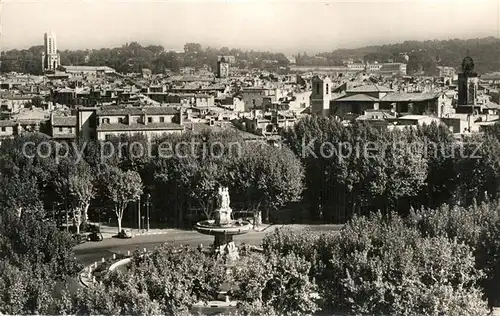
139, 213
147, 210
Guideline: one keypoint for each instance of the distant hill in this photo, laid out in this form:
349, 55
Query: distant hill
425, 55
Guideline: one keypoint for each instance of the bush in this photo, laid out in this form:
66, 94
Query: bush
275, 285
478, 226
380, 265
172, 280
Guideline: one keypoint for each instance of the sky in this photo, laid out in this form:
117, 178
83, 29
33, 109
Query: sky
286, 26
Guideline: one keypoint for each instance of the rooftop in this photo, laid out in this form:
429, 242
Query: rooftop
370, 88
64, 121
409, 97
88, 68
360, 97
139, 126
157, 110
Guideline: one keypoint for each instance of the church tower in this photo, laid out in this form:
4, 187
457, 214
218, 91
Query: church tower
320, 96
467, 83
222, 68
50, 57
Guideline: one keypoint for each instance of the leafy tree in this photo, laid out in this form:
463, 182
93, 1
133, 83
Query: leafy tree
265, 176
122, 187
275, 285
74, 182
25, 290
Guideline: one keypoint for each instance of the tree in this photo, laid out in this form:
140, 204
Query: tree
74, 184
265, 176
192, 48
275, 285
122, 187
36, 101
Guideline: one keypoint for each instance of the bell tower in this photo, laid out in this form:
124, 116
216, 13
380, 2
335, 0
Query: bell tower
467, 83
320, 96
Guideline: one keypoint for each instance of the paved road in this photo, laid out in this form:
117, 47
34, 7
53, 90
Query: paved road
93, 251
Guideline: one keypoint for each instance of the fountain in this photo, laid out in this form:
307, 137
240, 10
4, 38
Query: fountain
223, 227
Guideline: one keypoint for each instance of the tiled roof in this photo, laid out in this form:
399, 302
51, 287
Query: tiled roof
64, 136
414, 117
370, 88
18, 97
157, 110
409, 97
6, 123
360, 97
64, 121
88, 68
139, 126
492, 105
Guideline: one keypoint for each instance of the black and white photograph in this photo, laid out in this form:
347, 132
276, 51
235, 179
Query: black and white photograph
250, 157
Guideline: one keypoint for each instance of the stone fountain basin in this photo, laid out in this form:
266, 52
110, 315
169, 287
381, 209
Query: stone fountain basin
236, 227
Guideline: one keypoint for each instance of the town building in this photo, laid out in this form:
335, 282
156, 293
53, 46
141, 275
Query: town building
88, 70
148, 121
257, 97
445, 71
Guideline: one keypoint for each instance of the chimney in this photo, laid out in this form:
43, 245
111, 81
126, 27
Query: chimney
181, 117
145, 117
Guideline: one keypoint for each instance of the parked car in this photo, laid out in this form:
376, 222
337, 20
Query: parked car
124, 234
79, 238
95, 236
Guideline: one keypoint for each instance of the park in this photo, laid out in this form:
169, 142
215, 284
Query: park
406, 234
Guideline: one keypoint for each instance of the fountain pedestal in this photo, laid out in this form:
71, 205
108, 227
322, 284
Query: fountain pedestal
224, 246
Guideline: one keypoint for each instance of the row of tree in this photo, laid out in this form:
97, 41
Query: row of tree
260, 177
132, 57
358, 169
335, 171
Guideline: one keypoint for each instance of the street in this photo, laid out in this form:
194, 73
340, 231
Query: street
90, 252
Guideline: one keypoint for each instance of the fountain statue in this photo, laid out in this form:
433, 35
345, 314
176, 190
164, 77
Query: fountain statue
223, 227
223, 212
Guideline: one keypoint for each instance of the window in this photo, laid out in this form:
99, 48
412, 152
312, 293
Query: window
60, 129
3, 129
150, 120
327, 88
162, 119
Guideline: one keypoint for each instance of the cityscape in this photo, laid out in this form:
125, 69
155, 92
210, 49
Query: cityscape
284, 159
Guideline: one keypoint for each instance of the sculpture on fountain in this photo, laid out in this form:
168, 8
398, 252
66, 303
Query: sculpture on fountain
223, 227
223, 211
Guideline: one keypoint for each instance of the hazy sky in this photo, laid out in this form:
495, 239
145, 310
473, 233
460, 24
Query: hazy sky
287, 26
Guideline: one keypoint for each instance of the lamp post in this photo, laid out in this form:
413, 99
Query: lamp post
147, 210
139, 213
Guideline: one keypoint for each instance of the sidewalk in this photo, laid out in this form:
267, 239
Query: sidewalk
110, 231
